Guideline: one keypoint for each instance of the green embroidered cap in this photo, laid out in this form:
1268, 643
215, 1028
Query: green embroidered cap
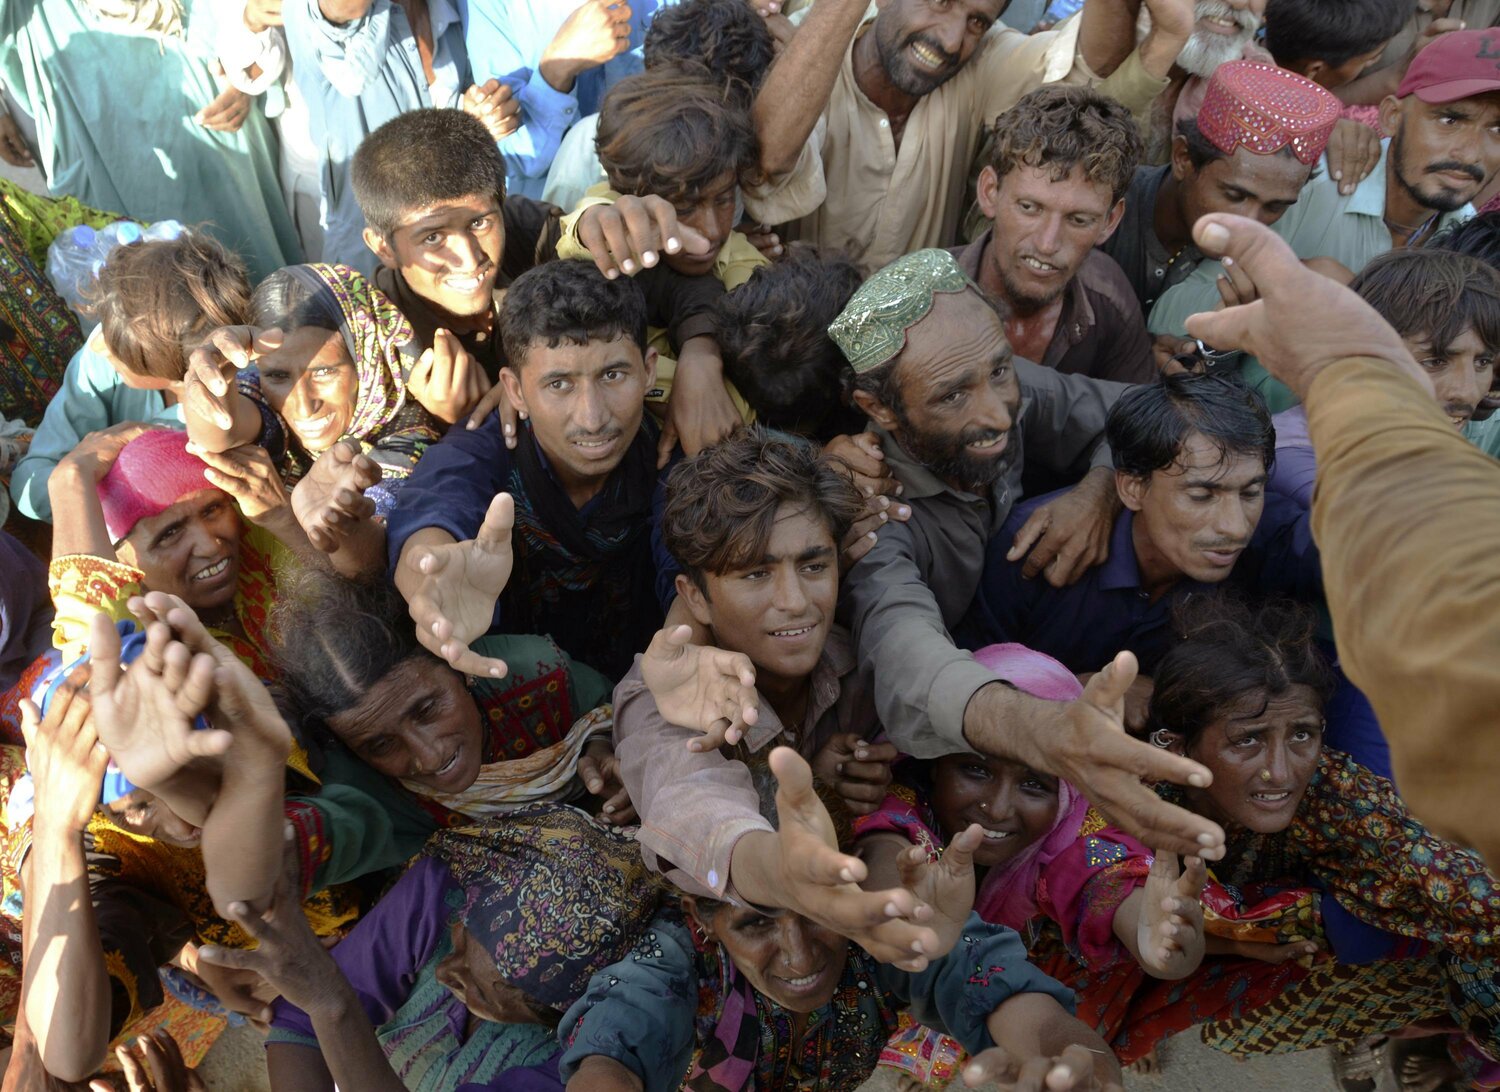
872, 328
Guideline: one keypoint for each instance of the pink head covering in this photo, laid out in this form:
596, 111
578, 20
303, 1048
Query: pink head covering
153, 472
1265, 108
1008, 894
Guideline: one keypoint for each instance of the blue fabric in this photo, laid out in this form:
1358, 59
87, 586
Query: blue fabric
355, 78
1086, 624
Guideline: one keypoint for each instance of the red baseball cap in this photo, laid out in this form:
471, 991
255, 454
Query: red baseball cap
1458, 65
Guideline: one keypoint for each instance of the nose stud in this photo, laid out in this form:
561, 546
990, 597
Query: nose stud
1265, 775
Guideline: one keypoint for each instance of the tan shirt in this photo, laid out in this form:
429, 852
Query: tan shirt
1407, 515
853, 189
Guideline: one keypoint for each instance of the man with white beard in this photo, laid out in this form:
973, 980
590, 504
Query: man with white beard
1223, 30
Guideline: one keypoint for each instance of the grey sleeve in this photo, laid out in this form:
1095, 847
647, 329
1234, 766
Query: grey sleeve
1062, 419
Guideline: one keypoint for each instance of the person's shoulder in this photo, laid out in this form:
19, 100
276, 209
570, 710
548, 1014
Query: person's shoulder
1104, 280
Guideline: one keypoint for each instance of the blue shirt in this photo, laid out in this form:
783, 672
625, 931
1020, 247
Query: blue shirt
506, 40
1107, 610
355, 78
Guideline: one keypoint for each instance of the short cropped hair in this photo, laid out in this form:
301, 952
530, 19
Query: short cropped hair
672, 132
157, 300
722, 503
773, 336
572, 302
725, 36
1332, 31
422, 158
1478, 238
1433, 295
1148, 426
1059, 127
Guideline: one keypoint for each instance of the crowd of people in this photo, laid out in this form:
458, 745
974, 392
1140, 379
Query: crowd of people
735, 544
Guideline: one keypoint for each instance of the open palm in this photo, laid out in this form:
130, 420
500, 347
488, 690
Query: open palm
459, 584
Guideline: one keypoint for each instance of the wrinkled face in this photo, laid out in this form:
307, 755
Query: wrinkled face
777, 610
1443, 153
585, 402
311, 382
470, 974
788, 958
1044, 228
710, 212
1222, 31
418, 724
449, 254
144, 815
1261, 187
1014, 804
1461, 372
923, 43
1257, 736
959, 392
1196, 517
191, 550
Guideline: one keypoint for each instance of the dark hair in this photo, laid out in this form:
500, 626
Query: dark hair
332, 639
725, 36
722, 503
1332, 31
1478, 238
569, 301
1434, 295
1147, 427
1059, 127
773, 335
672, 132
1229, 649
157, 299
423, 158
292, 298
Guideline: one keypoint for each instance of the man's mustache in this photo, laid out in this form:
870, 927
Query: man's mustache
1470, 169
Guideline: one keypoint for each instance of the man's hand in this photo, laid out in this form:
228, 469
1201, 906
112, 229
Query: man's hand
1172, 23
447, 380
1067, 537
1137, 702
631, 234
945, 883
247, 474
493, 103
599, 770
330, 500
1302, 321
153, 1063
260, 14
13, 147
801, 869
65, 757
208, 386
226, 113
92, 457
701, 687
145, 715
865, 461
859, 772
596, 32
496, 400
1084, 742
1078, 1068
700, 412
763, 239
1170, 931
458, 584
244, 992
1353, 151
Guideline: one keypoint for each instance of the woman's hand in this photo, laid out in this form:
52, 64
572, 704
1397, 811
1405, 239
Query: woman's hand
92, 457
859, 772
153, 1063
244, 992
208, 390
330, 500
701, 687
1170, 930
864, 459
247, 474
65, 757
446, 380
599, 770
1077, 1068
945, 883
1297, 951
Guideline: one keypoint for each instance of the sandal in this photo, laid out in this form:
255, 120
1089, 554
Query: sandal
1357, 1066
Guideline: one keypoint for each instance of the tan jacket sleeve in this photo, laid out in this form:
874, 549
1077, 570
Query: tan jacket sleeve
1407, 515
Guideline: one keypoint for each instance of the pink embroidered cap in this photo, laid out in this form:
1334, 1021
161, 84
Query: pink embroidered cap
1265, 109
153, 472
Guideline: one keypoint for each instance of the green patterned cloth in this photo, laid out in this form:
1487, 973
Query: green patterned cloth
872, 328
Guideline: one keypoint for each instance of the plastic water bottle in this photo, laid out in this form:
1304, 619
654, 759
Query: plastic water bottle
162, 229
73, 263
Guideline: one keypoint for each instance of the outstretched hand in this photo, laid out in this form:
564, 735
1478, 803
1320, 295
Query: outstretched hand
1077, 1069
634, 232
1170, 931
457, 586
208, 387
945, 883
330, 500
701, 687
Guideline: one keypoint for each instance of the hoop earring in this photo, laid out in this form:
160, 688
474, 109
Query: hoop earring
1160, 738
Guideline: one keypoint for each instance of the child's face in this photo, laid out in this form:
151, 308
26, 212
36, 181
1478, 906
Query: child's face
144, 815
1014, 804
129, 378
709, 212
449, 253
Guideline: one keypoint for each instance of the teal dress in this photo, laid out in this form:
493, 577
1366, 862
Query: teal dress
114, 108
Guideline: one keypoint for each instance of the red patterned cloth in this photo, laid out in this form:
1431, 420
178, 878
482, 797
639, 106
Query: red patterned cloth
1265, 109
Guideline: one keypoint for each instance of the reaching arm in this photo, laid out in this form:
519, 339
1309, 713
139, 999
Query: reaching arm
796, 90
1106, 33
77, 516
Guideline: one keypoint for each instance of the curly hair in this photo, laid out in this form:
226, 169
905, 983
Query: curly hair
158, 299
672, 132
1059, 127
722, 503
726, 36
569, 301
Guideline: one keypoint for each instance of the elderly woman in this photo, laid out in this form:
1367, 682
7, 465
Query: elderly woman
731, 997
